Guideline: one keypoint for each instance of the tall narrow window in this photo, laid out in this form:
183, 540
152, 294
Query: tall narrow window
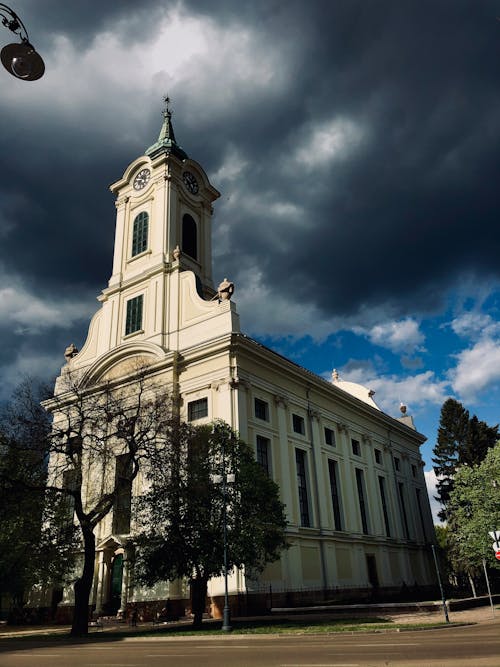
263, 447
383, 500
300, 460
189, 237
403, 509
123, 500
134, 315
420, 513
335, 494
360, 483
140, 233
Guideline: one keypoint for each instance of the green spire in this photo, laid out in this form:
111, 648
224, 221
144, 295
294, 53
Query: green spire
166, 139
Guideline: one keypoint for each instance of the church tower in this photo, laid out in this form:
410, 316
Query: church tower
160, 298
164, 205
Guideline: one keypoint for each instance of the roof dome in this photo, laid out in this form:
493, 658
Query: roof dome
358, 390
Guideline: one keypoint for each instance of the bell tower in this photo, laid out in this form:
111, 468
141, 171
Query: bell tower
164, 213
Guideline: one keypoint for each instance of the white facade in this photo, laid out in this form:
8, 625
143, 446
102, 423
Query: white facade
326, 444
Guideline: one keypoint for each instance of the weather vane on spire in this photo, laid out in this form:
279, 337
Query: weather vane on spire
167, 111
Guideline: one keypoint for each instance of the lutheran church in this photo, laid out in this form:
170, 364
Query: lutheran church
350, 476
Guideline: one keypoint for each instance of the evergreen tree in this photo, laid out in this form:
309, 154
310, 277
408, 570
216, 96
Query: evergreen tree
452, 435
461, 441
479, 440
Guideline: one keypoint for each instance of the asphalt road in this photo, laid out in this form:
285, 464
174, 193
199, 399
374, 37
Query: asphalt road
471, 646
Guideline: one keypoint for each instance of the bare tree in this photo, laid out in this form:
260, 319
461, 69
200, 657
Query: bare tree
92, 426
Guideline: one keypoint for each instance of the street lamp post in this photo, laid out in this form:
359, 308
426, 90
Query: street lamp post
20, 60
226, 616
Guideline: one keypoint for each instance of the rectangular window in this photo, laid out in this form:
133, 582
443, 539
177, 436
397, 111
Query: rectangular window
335, 494
378, 456
134, 315
356, 447
300, 460
263, 453
360, 483
123, 500
396, 463
383, 499
420, 513
413, 470
261, 409
298, 424
140, 234
329, 437
197, 409
403, 510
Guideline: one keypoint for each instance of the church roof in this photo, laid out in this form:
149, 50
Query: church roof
166, 141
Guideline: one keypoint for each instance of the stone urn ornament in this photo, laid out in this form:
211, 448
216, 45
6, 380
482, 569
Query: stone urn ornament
225, 290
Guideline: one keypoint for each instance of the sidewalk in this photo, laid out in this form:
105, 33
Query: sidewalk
481, 614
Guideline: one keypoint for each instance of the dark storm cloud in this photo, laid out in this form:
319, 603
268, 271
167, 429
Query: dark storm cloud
389, 223
415, 207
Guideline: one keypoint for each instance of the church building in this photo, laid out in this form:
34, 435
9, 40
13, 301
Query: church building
350, 476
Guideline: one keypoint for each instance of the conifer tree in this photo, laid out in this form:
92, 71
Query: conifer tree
452, 435
479, 440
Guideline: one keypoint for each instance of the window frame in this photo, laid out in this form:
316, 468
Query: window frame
193, 407
140, 234
330, 432
335, 494
296, 421
302, 487
263, 405
263, 453
134, 315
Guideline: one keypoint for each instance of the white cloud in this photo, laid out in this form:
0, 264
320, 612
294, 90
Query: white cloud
477, 368
403, 336
473, 324
25, 312
414, 391
326, 142
431, 481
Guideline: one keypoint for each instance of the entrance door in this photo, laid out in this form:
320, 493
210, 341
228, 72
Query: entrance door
115, 591
371, 566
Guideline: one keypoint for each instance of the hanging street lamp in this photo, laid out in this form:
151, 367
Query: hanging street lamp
20, 60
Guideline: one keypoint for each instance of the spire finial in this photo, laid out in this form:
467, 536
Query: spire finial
166, 140
167, 111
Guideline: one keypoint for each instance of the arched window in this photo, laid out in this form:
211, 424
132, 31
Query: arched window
189, 237
140, 234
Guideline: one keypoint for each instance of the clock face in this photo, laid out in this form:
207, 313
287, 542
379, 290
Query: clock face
142, 179
190, 182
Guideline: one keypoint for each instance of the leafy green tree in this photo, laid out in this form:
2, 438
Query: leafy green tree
452, 433
181, 516
473, 511
36, 542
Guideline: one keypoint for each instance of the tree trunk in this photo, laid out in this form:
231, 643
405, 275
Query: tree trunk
471, 582
199, 596
83, 586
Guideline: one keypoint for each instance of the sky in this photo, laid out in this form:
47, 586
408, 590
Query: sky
355, 146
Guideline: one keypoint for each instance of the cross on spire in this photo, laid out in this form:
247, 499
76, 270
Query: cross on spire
167, 111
